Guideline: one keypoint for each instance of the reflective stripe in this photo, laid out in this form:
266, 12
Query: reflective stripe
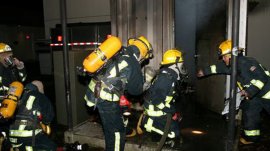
149, 127
92, 85
23, 133
16, 146
171, 135
30, 101
161, 106
148, 77
37, 113
267, 73
103, 94
108, 96
13, 140
4, 88
213, 68
22, 126
267, 95
28, 148
155, 113
121, 66
23, 79
168, 101
259, 84
116, 141
88, 102
252, 132
152, 112
21, 74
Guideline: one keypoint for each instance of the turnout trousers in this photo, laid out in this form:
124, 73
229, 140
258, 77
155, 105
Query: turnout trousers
252, 117
113, 125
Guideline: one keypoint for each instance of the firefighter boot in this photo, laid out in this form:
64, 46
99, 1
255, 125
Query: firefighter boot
245, 142
130, 132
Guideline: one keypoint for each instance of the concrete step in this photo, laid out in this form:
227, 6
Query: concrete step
91, 133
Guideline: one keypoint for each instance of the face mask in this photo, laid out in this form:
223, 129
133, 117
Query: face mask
180, 69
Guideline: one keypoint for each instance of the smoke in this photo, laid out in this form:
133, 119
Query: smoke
208, 11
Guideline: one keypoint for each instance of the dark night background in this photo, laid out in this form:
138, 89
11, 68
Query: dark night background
22, 12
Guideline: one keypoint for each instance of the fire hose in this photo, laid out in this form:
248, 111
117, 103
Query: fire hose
165, 133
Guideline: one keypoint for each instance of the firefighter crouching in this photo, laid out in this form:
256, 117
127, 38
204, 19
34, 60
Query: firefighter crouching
121, 72
31, 125
159, 100
254, 83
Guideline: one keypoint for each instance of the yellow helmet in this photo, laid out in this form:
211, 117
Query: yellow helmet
225, 48
172, 56
4, 47
143, 45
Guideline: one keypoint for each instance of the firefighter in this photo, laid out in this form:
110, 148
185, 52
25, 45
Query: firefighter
31, 126
122, 73
254, 84
159, 101
11, 69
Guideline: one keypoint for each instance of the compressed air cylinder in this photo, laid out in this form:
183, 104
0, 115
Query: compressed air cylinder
104, 52
9, 104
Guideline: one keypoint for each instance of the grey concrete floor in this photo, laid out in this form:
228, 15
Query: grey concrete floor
195, 118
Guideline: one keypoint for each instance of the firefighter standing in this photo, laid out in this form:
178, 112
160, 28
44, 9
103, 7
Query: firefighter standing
160, 99
11, 69
254, 83
122, 73
31, 125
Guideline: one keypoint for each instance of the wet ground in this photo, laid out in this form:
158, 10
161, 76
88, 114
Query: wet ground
201, 129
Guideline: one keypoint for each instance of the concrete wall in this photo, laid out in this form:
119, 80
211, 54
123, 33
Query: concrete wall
199, 27
15, 36
78, 11
258, 44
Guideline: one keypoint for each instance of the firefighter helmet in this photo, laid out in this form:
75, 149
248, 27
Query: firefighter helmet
143, 45
172, 56
4, 47
225, 48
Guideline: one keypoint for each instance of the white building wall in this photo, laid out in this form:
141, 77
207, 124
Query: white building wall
258, 40
78, 11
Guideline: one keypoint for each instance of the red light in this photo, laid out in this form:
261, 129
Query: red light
59, 38
27, 37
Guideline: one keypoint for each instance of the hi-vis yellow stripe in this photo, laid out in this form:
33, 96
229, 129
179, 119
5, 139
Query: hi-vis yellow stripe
259, 84
267, 95
121, 66
252, 132
213, 69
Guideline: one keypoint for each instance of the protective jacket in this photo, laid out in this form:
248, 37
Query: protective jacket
159, 101
251, 76
8, 75
34, 108
254, 79
122, 73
